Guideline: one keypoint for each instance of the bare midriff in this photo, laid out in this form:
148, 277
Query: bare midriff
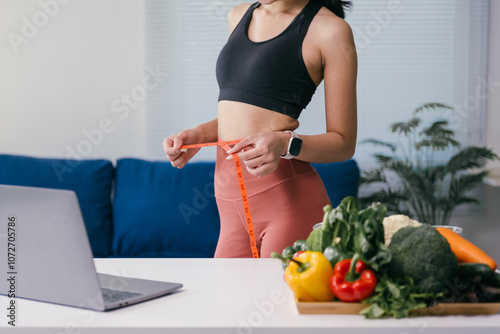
237, 120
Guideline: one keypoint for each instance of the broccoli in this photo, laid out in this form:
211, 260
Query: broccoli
424, 255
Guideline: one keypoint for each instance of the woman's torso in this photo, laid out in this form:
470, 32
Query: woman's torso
236, 119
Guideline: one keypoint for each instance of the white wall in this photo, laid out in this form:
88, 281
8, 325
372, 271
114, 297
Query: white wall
60, 80
493, 118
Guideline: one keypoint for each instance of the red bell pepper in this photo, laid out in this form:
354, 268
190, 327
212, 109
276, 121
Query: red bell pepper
352, 284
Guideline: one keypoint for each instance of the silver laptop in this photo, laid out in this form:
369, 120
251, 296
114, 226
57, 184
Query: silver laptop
45, 254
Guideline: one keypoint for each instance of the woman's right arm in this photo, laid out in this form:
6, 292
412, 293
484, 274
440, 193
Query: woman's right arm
203, 133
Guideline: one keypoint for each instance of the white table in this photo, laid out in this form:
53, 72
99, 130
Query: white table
219, 296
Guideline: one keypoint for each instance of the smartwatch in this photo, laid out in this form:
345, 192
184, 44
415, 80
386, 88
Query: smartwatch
294, 145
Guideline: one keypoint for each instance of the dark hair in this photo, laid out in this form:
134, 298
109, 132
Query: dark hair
337, 6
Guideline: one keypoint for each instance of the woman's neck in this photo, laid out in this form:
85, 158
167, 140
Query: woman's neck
277, 7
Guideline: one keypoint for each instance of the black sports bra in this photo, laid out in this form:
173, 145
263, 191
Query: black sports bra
269, 74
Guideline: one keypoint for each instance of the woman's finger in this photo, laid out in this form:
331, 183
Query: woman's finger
254, 162
249, 153
245, 142
261, 170
179, 161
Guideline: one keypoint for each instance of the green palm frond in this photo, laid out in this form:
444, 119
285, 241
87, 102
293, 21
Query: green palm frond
421, 185
437, 129
417, 182
383, 159
377, 142
465, 200
432, 105
406, 127
401, 167
448, 204
463, 183
437, 144
470, 157
435, 173
373, 176
444, 204
437, 137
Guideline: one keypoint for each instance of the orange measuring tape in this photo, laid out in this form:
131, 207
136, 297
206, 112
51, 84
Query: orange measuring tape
243, 189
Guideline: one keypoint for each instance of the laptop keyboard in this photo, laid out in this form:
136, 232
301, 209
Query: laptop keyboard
111, 295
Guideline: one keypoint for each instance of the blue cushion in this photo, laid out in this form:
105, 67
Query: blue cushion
341, 179
90, 179
162, 211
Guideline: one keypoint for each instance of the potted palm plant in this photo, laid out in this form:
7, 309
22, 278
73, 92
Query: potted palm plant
412, 181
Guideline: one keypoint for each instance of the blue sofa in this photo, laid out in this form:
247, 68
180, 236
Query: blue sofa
140, 208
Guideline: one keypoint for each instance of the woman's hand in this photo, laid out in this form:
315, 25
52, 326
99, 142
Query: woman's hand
261, 152
172, 144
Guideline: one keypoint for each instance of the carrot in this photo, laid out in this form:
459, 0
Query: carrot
465, 250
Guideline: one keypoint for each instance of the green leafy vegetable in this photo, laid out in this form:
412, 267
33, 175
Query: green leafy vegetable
335, 254
369, 236
321, 237
395, 298
347, 230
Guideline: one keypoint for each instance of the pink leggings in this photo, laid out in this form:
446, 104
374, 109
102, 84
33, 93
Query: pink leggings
284, 206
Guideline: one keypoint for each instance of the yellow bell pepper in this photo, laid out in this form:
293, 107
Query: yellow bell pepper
309, 277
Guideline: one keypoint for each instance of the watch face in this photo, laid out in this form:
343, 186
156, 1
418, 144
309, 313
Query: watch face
295, 146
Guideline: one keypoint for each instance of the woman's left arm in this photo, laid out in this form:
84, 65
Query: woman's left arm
339, 63
340, 72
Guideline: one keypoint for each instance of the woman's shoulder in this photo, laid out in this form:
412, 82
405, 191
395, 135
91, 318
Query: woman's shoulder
330, 35
236, 13
329, 26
